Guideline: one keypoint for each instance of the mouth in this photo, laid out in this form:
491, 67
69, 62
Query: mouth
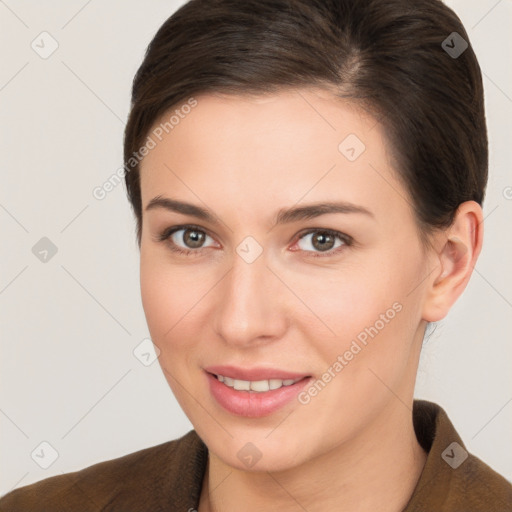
261, 393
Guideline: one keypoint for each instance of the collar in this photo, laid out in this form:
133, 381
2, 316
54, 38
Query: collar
452, 479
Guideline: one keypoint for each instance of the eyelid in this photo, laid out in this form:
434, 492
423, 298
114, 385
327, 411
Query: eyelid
343, 236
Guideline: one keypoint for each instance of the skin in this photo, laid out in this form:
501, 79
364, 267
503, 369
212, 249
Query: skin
245, 158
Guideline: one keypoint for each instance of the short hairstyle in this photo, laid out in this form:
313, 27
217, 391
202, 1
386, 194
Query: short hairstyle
390, 57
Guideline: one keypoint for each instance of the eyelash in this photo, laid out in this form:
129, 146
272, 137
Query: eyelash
166, 234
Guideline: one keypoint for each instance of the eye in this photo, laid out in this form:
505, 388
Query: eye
192, 237
324, 240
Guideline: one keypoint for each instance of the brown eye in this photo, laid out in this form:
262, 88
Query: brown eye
193, 238
323, 241
184, 239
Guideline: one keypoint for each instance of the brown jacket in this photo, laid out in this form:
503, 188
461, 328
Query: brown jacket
168, 477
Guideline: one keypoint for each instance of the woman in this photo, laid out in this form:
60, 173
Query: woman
307, 180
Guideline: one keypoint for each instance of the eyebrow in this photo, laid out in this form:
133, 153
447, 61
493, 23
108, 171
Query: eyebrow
284, 215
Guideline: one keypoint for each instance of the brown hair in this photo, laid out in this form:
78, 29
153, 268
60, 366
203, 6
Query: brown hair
389, 56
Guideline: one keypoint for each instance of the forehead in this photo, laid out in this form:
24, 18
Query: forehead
277, 147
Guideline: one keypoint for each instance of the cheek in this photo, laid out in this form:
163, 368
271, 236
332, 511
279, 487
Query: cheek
370, 355
165, 295
370, 311
156, 301
350, 300
168, 306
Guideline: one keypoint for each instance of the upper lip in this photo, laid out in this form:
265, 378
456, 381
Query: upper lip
253, 374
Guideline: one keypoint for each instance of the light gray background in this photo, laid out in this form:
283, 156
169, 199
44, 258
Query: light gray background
69, 326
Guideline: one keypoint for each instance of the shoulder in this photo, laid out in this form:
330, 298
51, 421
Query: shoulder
453, 480
135, 481
476, 486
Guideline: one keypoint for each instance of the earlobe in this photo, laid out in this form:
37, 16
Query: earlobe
458, 248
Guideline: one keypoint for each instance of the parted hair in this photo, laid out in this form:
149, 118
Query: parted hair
387, 56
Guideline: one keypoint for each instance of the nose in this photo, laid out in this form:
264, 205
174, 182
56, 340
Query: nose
252, 304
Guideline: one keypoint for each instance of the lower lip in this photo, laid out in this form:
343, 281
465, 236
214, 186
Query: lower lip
252, 404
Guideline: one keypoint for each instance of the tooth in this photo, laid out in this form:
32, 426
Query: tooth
242, 385
275, 383
260, 385
229, 381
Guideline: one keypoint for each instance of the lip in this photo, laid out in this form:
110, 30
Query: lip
251, 404
253, 373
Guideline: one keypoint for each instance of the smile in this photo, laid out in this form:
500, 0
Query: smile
254, 398
256, 386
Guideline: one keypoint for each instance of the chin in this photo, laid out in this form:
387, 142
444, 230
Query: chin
254, 453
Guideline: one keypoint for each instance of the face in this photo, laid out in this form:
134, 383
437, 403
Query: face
270, 291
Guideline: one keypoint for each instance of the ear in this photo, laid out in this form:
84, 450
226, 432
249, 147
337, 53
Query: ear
456, 251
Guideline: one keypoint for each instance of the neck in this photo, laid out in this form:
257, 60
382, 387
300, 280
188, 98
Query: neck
377, 470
